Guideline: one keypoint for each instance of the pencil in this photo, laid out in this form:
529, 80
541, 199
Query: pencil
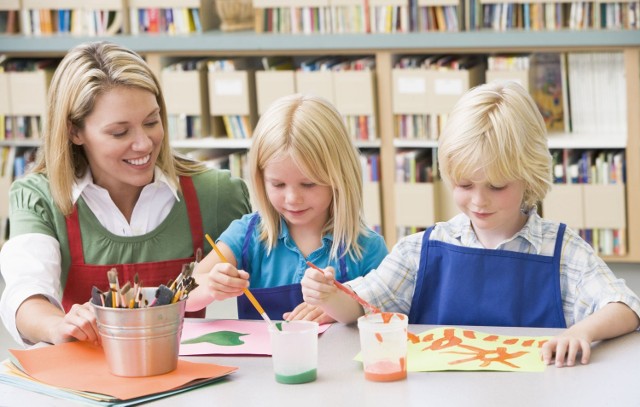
347, 291
250, 296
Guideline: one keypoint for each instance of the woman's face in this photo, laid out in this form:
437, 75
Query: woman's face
122, 138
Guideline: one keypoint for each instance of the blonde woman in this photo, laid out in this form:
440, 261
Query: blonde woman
107, 191
497, 263
307, 185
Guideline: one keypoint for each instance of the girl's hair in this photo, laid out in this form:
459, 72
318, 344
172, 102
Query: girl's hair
86, 72
498, 128
310, 131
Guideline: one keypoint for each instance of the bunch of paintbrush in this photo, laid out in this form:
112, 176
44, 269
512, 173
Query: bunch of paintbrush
131, 296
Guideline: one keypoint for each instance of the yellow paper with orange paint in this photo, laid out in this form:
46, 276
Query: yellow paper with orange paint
449, 348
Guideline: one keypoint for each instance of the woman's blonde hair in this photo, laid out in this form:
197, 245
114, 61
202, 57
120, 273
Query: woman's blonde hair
310, 131
87, 71
498, 128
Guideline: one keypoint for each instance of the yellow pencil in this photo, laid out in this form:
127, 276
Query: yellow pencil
250, 296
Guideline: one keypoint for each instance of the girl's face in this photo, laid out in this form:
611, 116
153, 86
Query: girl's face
301, 202
494, 210
122, 138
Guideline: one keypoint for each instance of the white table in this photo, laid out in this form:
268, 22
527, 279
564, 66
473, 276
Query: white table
612, 378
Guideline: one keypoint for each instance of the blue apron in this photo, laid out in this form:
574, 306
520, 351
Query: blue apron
468, 286
274, 300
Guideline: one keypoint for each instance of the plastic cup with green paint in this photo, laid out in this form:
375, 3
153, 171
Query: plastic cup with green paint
294, 349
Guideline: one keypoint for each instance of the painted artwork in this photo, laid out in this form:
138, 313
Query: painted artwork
449, 348
227, 337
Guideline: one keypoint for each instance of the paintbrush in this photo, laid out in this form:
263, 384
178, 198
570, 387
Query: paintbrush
123, 294
250, 296
112, 275
347, 291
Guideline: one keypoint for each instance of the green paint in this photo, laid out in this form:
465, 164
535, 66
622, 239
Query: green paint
304, 377
222, 338
279, 326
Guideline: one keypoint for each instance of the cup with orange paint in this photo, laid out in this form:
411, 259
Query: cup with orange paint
383, 345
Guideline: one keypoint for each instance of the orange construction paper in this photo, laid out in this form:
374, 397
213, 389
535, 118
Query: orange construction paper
83, 366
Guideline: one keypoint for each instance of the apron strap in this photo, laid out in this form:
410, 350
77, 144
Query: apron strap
74, 237
193, 211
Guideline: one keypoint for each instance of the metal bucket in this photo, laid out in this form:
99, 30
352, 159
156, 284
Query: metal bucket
141, 341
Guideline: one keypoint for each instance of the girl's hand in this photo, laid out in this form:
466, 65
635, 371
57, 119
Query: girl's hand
78, 324
317, 286
563, 350
308, 312
226, 281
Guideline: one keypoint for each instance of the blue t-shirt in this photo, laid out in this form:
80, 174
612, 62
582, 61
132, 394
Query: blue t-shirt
286, 264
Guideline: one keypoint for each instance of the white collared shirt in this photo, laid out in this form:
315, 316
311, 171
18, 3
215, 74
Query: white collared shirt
31, 263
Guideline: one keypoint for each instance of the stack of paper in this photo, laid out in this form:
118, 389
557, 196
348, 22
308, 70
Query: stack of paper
78, 371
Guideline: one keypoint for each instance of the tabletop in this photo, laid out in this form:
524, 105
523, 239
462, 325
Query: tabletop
612, 378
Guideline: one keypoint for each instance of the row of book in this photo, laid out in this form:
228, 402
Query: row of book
105, 18
601, 167
393, 16
175, 20
556, 16
77, 22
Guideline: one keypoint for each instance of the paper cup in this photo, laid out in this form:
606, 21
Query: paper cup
383, 343
294, 349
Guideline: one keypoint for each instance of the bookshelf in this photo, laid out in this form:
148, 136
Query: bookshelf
386, 49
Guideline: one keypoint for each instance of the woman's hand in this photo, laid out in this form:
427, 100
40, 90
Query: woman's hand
78, 324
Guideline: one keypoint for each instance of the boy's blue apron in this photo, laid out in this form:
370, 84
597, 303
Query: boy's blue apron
468, 286
274, 300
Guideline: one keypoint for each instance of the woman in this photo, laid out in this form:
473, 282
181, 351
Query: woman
107, 191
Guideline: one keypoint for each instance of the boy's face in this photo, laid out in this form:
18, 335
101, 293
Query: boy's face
494, 210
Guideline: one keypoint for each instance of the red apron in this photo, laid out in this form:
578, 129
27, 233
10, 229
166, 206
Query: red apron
82, 277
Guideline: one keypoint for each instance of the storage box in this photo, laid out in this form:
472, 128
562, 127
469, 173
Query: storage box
272, 85
414, 204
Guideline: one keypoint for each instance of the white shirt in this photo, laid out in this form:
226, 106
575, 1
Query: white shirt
31, 263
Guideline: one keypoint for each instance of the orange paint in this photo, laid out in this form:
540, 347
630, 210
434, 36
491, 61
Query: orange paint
386, 316
379, 337
413, 337
511, 341
528, 343
386, 371
469, 334
491, 338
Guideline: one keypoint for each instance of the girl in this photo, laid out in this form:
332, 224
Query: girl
307, 183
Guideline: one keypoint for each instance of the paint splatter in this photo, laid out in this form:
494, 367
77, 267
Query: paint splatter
221, 338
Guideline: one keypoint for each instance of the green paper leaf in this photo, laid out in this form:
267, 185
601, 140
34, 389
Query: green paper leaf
221, 338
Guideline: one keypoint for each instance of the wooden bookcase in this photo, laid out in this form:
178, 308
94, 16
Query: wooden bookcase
386, 48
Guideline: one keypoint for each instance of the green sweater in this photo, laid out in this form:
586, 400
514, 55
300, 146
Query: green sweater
222, 199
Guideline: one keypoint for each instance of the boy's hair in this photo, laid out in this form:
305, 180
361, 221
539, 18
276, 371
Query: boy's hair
498, 128
310, 131
86, 72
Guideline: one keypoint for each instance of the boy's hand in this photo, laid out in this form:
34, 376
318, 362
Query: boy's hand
566, 348
317, 286
226, 281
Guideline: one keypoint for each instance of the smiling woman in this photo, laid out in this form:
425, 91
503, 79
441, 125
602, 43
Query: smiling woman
107, 191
